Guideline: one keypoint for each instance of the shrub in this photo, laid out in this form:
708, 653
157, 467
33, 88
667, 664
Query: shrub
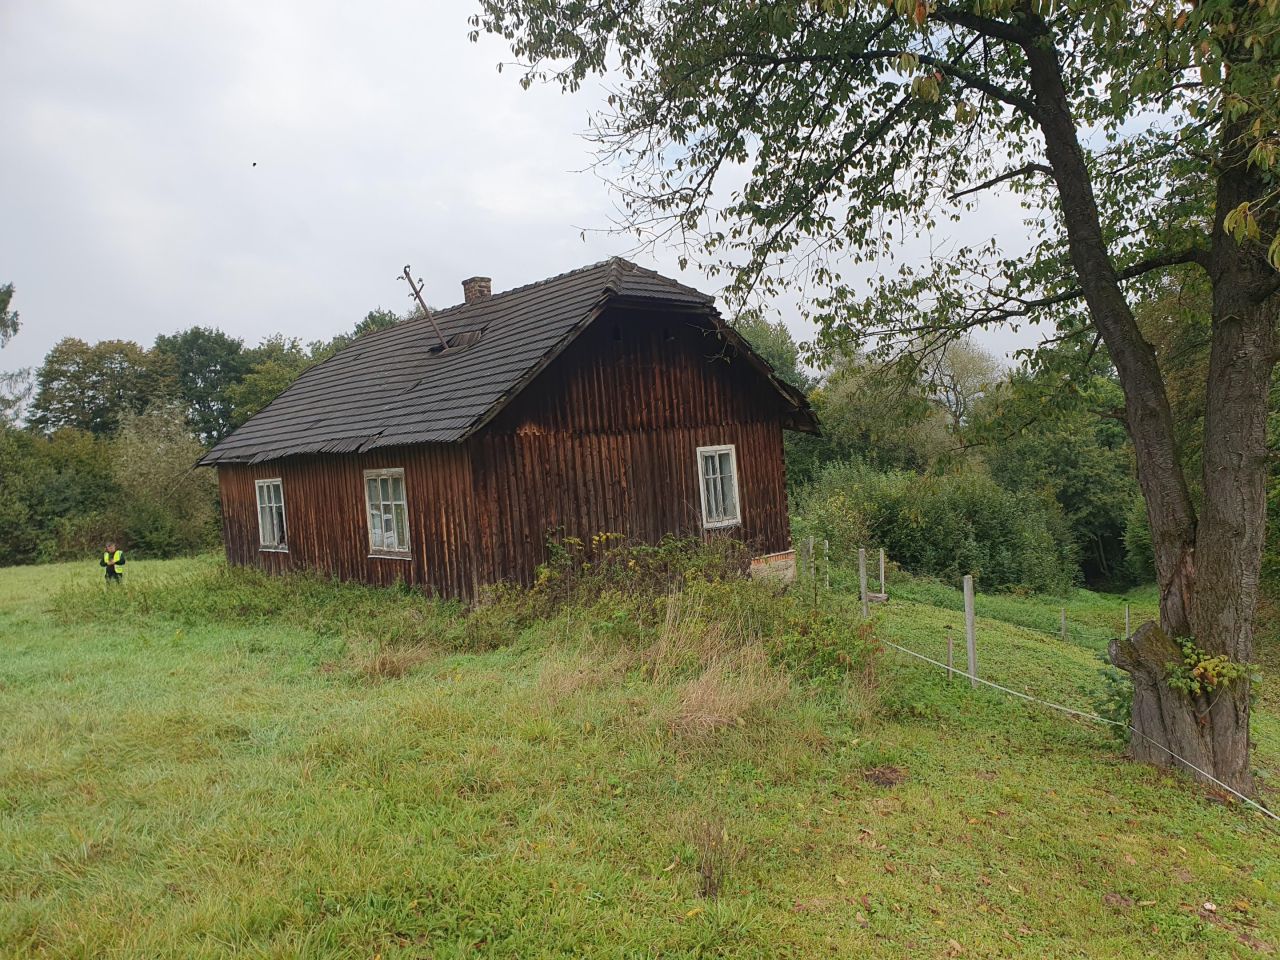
944, 526
167, 506
577, 569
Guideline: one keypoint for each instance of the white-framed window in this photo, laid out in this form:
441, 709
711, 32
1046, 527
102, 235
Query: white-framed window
718, 473
271, 528
387, 511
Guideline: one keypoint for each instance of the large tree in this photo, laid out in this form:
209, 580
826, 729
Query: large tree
275, 364
801, 138
206, 364
91, 387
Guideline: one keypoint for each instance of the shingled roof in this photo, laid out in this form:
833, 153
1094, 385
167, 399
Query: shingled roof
396, 387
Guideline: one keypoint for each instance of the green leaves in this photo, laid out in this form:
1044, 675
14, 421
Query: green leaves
1241, 223
813, 141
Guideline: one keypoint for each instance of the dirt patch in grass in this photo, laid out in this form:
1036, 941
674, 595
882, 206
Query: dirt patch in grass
886, 776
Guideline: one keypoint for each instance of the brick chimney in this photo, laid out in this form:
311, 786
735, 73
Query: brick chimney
476, 289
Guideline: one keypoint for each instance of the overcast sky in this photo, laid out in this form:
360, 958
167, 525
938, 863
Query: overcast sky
130, 205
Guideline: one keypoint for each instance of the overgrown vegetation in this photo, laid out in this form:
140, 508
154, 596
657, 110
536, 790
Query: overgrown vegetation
944, 525
69, 493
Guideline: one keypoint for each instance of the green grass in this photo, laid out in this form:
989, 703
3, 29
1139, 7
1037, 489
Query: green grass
209, 766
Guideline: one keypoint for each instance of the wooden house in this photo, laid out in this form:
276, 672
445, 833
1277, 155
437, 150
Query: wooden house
605, 400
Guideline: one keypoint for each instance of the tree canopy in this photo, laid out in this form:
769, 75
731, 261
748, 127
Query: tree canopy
92, 387
205, 364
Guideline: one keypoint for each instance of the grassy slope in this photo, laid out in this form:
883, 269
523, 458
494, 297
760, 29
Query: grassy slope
203, 791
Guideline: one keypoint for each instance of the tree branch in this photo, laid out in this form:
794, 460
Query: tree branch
972, 80
1197, 255
1008, 175
996, 29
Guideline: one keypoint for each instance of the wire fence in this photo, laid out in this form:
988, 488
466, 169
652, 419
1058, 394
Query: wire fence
814, 566
1093, 717
818, 567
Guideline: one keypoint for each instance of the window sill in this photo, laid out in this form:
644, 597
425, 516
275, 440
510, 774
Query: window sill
386, 555
262, 548
722, 524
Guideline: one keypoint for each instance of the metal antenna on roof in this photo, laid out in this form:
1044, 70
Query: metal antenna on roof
426, 311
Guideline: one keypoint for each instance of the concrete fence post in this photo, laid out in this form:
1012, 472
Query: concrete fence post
970, 634
862, 581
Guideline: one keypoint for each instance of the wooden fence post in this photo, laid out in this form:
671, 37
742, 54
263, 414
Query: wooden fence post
970, 636
862, 581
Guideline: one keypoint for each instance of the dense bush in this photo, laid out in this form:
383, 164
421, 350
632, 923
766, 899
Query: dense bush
66, 494
944, 526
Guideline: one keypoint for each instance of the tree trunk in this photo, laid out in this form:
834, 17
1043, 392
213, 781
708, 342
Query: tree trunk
1207, 567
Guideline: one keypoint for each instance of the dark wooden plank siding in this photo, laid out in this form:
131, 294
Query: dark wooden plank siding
605, 441
325, 516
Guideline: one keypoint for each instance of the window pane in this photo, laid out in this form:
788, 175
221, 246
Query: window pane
278, 516
709, 465
712, 491
375, 529
727, 499
386, 490
397, 489
402, 526
264, 525
371, 492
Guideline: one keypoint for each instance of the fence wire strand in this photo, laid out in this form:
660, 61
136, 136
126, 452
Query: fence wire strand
1084, 715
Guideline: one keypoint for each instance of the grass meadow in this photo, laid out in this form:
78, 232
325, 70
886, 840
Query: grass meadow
211, 763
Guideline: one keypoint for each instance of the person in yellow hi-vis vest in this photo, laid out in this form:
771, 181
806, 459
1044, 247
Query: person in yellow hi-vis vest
113, 560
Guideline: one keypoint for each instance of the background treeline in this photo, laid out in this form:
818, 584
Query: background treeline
953, 462
99, 442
